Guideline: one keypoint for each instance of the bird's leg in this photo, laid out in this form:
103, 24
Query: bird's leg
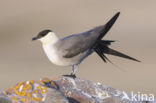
74, 69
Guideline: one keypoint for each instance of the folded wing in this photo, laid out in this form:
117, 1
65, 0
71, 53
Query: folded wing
78, 43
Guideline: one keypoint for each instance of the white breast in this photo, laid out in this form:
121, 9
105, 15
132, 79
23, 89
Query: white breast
51, 54
55, 56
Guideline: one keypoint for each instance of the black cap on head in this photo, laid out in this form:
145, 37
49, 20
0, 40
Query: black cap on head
41, 34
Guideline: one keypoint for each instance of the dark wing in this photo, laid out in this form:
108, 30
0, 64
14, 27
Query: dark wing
75, 44
78, 43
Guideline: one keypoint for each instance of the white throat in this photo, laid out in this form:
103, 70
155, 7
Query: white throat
50, 38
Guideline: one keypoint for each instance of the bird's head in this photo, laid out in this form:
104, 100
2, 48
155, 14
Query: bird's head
46, 37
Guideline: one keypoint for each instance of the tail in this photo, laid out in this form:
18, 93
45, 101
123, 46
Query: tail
102, 48
107, 26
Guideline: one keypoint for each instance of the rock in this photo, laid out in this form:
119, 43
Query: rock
63, 90
4, 98
55, 96
85, 91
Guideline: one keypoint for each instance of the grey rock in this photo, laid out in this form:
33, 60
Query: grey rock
4, 98
85, 91
55, 96
65, 90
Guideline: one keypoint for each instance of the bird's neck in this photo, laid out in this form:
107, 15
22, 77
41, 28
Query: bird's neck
50, 39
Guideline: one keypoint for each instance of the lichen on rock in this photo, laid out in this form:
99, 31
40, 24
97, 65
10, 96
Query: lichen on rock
62, 90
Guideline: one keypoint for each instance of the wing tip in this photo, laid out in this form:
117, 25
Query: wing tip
137, 60
118, 13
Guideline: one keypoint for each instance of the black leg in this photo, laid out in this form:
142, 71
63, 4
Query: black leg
74, 69
71, 76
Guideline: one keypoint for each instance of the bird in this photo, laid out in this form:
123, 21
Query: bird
73, 49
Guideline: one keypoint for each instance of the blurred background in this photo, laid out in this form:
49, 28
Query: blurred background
134, 32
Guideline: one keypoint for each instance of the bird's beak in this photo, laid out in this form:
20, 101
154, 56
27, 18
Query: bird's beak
34, 38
